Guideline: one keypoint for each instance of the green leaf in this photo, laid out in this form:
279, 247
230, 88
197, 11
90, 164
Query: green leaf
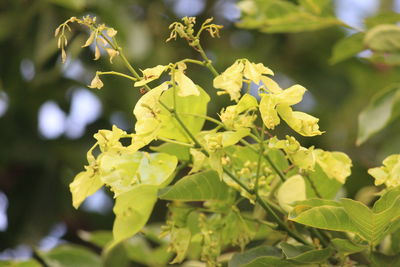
383, 18
292, 190
85, 184
326, 187
197, 187
372, 226
28, 263
269, 261
324, 217
347, 247
347, 47
190, 110
384, 38
318, 7
305, 254
139, 250
282, 16
240, 259
181, 152
383, 108
379, 260
157, 168
70, 256
132, 210
98, 238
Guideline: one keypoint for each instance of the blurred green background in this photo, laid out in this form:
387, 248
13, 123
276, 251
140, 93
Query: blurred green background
48, 115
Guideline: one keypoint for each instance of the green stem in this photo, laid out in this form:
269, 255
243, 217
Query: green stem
276, 169
116, 47
174, 142
116, 73
314, 188
203, 117
279, 221
260, 155
208, 63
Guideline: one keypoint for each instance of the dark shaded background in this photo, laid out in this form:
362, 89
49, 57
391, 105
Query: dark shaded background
48, 116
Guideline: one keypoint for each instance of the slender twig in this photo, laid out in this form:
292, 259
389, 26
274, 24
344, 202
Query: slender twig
116, 47
167, 140
116, 73
279, 221
259, 163
208, 63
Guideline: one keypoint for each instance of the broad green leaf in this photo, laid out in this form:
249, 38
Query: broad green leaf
139, 250
347, 247
28, 263
379, 260
124, 170
395, 242
313, 256
115, 256
98, 238
370, 225
305, 254
292, 190
269, 261
190, 110
85, 184
70, 256
157, 168
383, 108
318, 7
119, 170
325, 187
324, 217
132, 210
317, 202
197, 187
291, 251
384, 38
386, 200
382, 18
181, 152
282, 16
347, 47
240, 259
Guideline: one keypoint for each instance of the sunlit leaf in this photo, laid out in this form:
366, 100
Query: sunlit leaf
197, 187
292, 190
132, 210
190, 110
